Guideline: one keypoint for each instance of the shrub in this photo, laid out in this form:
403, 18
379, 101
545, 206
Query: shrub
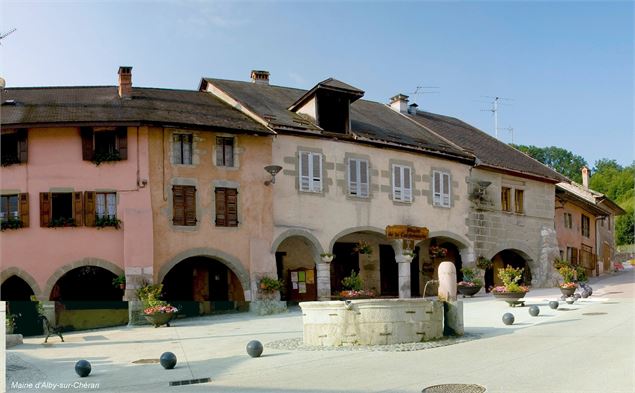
353, 282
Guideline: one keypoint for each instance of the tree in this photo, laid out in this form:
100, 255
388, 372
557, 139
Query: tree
625, 228
558, 159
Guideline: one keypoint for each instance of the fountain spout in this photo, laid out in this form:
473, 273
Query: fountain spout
425, 287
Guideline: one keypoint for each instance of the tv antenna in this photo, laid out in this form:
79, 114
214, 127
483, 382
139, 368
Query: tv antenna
422, 90
494, 110
510, 129
3, 35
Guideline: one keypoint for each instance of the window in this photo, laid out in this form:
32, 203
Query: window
14, 210
506, 196
100, 209
101, 144
358, 178
61, 209
14, 147
586, 226
441, 189
184, 205
182, 149
608, 222
568, 220
310, 171
519, 201
106, 205
226, 207
224, 151
572, 255
401, 183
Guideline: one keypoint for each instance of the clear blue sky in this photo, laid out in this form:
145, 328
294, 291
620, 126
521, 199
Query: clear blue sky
567, 65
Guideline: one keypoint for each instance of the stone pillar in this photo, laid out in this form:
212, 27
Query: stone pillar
404, 276
136, 277
447, 281
323, 272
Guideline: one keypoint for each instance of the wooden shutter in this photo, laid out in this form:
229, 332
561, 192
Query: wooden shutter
305, 178
407, 184
363, 178
88, 151
45, 209
89, 208
189, 197
78, 208
178, 205
232, 207
23, 200
352, 177
122, 142
221, 207
23, 146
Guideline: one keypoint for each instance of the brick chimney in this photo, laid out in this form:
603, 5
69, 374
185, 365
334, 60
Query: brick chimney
260, 77
412, 108
585, 177
399, 103
125, 82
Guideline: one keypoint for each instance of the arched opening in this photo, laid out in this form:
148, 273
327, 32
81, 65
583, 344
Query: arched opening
203, 285
86, 298
507, 258
370, 255
17, 293
295, 265
428, 257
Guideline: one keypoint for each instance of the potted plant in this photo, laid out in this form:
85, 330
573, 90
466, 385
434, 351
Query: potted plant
568, 286
363, 248
270, 285
11, 223
327, 257
470, 284
107, 221
10, 323
119, 281
437, 252
510, 291
156, 311
484, 263
354, 288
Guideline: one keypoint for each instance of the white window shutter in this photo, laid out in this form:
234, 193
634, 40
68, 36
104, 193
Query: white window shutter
352, 177
436, 188
316, 162
446, 189
396, 183
407, 185
363, 178
305, 179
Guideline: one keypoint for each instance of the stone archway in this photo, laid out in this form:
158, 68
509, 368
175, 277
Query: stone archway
17, 293
457, 248
102, 263
298, 262
510, 257
16, 271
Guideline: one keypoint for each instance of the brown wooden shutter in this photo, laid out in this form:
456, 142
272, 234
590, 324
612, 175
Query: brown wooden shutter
23, 146
24, 209
45, 209
88, 152
89, 208
78, 208
232, 207
189, 195
122, 142
221, 208
178, 205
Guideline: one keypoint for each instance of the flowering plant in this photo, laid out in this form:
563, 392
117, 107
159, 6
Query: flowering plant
363, 248
475, 283
353, 282
568, 285
268, 284
568, 273
510, 277
468, 278
160, 309
437, 251
362, 293
484, 263
515, 288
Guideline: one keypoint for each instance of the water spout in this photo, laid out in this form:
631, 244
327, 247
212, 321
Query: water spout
425, 287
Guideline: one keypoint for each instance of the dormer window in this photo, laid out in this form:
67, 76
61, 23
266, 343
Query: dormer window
328, 103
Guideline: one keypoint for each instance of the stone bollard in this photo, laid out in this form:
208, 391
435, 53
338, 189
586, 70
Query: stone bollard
452, 308
447, 282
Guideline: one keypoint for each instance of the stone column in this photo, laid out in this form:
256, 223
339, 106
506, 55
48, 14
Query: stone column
404, 276
323, 271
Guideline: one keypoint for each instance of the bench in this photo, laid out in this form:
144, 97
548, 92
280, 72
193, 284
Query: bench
50, 329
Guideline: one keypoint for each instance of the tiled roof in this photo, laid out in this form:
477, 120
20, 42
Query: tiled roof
372, 121
489, 151
590, 197
101, 104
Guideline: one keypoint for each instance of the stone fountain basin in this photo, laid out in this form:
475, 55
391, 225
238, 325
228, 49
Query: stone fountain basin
371, 321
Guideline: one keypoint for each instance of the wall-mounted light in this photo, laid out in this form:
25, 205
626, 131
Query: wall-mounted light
273, 171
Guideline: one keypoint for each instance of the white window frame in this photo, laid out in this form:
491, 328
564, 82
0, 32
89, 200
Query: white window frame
180, 159
401, 193
357, 187
311, 181
441, 196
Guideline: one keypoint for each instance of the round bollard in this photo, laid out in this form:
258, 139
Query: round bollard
577, 296
554, 304
585, 294
254, 348
82, 368
534, 311
508, 318
168, 360
570, 300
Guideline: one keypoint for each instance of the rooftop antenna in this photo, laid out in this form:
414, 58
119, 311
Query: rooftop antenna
494, 110
422, 90
3, 35
510, 129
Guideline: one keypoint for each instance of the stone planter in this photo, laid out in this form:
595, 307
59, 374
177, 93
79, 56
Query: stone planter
327, 258
158, 319
469, 291
568, 291
512, 298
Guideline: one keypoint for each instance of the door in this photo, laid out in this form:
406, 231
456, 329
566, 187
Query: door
389, 271
345, 261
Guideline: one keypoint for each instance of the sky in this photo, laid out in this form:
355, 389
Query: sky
565, 68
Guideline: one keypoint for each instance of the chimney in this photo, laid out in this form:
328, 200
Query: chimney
412, 108
125, 82
399, 103
260, 77
585, 177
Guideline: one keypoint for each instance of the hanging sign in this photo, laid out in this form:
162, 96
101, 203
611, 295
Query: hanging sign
394, 232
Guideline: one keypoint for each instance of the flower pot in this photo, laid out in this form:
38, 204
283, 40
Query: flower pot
568, 291
158, 319
468, 291
512, 298
327, 258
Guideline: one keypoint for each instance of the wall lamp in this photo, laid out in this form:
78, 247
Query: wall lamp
273, 171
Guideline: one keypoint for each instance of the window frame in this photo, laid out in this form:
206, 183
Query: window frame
178, 140
183, 217
506, 196
442, 197
358, 188
519, 207
310, 183
401, 193
568, 220
107, 204
229, 219
8, 215
19, 146
221, 151
585, 230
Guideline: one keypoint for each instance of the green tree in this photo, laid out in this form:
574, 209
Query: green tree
558, 159
625, 228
